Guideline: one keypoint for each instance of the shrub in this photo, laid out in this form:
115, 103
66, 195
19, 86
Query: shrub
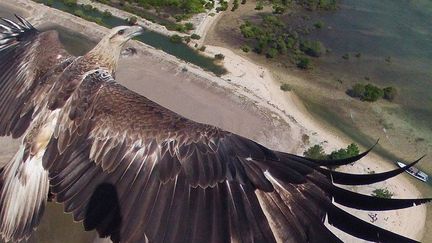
250, 31
319, 25
304, 63
219, 56
315, 152
245, 48
70, 3
312, 48
176, 39
202, 48
382, 193
189, 26
259, 5
271, 53
350, 151
79, 13
187, 39
372, 93
195, 37
285, 87
390, 93
278, 9
235, 5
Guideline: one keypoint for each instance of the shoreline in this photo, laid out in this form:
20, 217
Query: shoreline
249, 86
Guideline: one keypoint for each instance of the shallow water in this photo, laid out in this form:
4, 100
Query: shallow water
399, 29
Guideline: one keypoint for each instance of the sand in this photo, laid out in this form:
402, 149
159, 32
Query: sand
247, 101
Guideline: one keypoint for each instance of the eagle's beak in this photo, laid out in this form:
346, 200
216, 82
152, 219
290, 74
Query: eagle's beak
135, 31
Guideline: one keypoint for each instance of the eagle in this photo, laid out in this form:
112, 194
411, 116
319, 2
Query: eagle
135, 171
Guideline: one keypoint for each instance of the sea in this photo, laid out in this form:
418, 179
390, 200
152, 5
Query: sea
388, 43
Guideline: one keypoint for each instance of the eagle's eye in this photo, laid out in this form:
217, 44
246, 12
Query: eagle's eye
120, 32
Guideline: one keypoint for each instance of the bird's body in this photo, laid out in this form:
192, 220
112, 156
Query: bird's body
136, 171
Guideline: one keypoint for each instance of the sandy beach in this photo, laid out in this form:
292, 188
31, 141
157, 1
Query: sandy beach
247, 101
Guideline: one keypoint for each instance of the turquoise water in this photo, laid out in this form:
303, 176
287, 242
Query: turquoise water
399, 29
154, 39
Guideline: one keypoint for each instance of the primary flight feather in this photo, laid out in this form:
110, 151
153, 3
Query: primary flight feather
138, 172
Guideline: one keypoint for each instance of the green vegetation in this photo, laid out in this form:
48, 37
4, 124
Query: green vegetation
195, 37
304, 63
319, 25
371, 93
235, 5
319, 4
189, 26
70, 2
350, 151
164, 12
273, 38
176, 39
259, 5
317, 152
223, 6
382, 193
285, 87
245, 48
312, 48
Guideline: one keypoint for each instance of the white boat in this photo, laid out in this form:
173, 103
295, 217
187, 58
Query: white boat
415, 172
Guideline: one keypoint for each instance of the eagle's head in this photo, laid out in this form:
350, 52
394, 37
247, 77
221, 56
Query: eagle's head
107, 52
119, 35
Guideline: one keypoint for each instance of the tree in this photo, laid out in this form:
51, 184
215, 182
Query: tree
350, 151
372, 93
285, 87
176, 39
259, 5
382, 193
315, 152
304, 63
312, 48
189, 26
195, 37
271, 53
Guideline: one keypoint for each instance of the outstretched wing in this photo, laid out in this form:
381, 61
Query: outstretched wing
138, 172
29, 62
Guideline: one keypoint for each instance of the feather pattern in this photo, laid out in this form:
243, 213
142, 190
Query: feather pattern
30, 61
175, 180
